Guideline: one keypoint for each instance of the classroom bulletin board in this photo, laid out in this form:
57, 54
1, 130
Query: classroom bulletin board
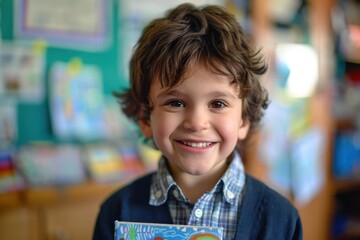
66, 34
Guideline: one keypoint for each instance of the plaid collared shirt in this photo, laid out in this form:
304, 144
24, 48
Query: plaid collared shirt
216, 208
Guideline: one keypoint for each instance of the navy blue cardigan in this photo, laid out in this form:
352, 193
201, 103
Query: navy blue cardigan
264, 213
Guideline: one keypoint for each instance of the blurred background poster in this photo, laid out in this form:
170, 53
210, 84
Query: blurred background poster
22, 68
8, 126
79, 109
81, 23
77, 103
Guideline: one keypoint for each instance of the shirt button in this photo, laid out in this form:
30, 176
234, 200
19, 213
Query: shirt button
230, 194
198, 213
158, 194
176, 194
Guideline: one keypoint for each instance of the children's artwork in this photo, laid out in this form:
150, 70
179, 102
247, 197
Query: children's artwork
285, 120
113, 162
79, 108
81, 24
10, 179
149, 155
308, 175
48, 165
8, 126
103, 162
21, 72
76, 101
150, 231
293, 149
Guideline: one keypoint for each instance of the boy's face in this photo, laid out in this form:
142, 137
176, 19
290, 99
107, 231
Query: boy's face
197, 124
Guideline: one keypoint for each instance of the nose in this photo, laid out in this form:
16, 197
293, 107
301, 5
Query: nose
196, 119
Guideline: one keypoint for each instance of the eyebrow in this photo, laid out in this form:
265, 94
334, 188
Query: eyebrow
224, 94
167, 93
177, 93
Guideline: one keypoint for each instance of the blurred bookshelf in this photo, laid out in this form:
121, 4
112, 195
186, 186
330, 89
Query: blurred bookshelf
346, 148
65, 208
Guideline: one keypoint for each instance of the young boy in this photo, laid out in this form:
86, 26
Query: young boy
195, 92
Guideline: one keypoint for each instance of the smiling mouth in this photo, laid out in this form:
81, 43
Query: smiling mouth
197, 144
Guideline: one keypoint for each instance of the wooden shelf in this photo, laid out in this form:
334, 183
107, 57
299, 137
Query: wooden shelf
51, 212
10, 199
347, 184
46, 195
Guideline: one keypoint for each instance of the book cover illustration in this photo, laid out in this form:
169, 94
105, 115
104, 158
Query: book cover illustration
151, 231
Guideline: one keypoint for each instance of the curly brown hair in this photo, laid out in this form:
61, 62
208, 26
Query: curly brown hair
187, 35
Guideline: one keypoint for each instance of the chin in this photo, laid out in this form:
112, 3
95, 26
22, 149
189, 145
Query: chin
197, 171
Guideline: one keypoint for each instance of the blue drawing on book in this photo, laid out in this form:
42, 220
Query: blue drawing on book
149, 231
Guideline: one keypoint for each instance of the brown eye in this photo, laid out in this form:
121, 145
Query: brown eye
217, 104
175, 103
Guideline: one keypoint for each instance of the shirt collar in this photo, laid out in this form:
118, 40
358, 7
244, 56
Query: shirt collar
231, 183
161, 184
233, 180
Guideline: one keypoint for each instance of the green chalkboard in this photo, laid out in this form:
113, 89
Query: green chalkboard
33, 120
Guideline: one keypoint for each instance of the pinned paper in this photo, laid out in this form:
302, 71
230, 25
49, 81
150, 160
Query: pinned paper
307, 174
77, 101
8, 119
75, 66
292, 149
39, 47
22, 69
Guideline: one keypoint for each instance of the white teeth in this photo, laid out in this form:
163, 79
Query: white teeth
197, 145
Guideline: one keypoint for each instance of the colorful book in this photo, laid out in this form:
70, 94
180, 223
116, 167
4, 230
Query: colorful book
153, 231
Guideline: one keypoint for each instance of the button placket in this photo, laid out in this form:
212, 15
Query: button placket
198, 213
158, 194
176, 194
230, 194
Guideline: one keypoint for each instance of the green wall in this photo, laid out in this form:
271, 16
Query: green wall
34, 123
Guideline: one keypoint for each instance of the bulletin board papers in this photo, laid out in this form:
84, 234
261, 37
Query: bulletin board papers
79, 108
293, 150
10, 179
77, 102
8, 120
49, 165
308, 175
21, 73
295, 165
112, 162
83, 24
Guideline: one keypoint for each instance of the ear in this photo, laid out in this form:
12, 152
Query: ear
145, 128
243, 129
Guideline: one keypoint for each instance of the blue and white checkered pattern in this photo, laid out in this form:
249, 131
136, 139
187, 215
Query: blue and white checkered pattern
216, 208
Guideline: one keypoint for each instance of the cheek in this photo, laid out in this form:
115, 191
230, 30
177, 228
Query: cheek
162, 128
160, 133
228, 129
